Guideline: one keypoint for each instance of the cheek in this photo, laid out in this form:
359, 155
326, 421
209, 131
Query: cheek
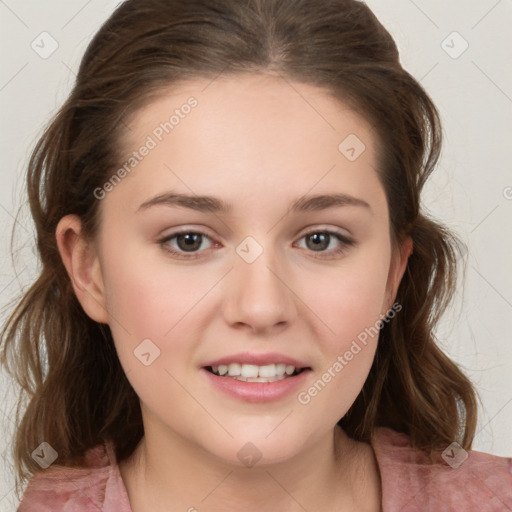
150, 307
152, 302
348, 299
351, 306
150, 298
333, 391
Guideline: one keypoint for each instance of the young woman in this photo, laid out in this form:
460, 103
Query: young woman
239, 289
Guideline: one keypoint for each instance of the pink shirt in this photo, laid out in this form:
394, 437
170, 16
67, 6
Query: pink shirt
482, 483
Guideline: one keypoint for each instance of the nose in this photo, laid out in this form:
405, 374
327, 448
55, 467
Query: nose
259, 296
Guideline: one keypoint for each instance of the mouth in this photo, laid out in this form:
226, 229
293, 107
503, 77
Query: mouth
257, 378
254, 373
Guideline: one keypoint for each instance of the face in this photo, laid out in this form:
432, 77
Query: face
250, 237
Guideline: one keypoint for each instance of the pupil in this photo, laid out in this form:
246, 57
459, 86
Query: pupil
192, 241
319, 240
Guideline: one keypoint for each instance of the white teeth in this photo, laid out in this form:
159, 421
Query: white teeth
234, 369
251, 372
268, 371
260, 379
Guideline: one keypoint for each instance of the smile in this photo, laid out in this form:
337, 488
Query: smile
253, 373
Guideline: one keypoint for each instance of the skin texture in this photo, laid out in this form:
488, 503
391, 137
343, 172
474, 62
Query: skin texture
258, 143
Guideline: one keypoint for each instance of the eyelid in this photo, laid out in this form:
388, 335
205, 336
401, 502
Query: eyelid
188, 229
324, 228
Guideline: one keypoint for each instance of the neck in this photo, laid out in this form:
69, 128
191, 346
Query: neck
170, 470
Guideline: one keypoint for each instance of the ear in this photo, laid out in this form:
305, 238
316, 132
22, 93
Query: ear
397, 268
83, 267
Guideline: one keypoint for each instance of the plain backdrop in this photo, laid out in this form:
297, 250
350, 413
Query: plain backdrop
461, 53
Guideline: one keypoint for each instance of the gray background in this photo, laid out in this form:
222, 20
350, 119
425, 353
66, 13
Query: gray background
471, 191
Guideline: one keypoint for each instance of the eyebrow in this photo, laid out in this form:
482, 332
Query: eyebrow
215, 205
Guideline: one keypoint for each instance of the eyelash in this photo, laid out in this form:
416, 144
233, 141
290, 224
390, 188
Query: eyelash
345, 242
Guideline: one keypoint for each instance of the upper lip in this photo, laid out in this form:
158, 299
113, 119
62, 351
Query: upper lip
258, 360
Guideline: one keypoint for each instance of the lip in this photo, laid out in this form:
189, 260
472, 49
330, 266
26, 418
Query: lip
256, 392
258, 360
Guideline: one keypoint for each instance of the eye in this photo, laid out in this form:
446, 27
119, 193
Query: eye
191, 242
320, 241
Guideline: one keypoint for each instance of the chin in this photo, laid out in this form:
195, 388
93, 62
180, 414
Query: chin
257, 446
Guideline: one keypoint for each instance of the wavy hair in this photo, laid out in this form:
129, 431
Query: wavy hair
65, 363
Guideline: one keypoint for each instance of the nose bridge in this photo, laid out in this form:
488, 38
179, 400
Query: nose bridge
257, 294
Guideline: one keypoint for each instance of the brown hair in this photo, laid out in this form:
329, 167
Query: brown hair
66, 363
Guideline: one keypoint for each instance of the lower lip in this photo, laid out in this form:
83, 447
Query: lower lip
257, 392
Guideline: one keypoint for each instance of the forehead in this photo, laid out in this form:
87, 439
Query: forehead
227, 104
253, 133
